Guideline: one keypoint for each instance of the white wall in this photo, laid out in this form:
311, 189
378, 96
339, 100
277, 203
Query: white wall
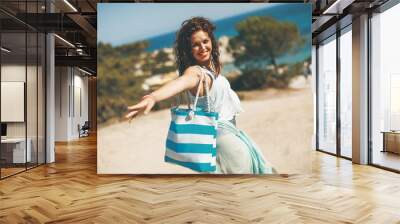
12, 73
33, 126
71, 87
12, 101
61, 103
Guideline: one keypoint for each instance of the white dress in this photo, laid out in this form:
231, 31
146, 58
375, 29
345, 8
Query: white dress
236, 153
223, 99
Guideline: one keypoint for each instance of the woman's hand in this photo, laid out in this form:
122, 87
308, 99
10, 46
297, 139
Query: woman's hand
146, 104
187, 81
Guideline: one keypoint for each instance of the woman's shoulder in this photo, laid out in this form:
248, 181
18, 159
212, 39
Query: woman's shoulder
193, 69
193, 73
198, 71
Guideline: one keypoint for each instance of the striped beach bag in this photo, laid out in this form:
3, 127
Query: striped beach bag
191, 140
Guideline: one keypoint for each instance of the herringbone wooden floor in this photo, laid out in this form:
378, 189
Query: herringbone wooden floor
70, 191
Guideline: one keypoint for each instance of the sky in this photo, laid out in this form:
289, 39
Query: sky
120, 23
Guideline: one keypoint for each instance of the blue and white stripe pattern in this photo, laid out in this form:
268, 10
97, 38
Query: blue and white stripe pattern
191, 141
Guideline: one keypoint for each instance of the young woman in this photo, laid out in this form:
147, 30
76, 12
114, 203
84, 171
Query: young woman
197, 53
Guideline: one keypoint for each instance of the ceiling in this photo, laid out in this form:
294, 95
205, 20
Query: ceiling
76, 22
330, 15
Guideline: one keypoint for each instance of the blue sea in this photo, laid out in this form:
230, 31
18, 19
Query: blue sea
300, 14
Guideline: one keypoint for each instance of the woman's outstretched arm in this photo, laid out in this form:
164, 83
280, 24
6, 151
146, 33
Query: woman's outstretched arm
188, 80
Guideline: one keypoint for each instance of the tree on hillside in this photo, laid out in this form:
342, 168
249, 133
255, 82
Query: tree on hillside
162, 57
262, 38
105, 50
135, 48
118, 84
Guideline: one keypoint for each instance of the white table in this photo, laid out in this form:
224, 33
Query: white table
18, 145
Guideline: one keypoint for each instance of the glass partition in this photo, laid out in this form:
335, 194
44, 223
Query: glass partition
327, 95
385, 89
22, 88
31, 99
346, 92
41, 109
13, 94
34, 50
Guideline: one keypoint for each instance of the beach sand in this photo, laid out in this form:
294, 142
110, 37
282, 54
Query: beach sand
279, 121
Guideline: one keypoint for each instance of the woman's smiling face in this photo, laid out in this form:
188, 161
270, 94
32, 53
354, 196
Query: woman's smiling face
201, 47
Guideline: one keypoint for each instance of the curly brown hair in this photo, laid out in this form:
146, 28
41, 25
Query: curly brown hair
183, 45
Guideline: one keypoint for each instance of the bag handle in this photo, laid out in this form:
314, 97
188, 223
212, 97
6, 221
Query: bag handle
205, 85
